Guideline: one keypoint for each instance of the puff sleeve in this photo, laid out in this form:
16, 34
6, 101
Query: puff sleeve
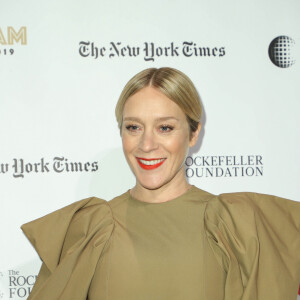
69, 242
256, 239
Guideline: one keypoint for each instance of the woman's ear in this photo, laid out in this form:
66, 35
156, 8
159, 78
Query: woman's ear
195, 135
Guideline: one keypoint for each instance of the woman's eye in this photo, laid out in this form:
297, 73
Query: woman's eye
132, 128
166, 128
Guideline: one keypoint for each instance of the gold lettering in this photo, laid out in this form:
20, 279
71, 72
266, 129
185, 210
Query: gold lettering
12, 35
2, 38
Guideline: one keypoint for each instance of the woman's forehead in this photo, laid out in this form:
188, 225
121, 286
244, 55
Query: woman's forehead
150, 101
158, 119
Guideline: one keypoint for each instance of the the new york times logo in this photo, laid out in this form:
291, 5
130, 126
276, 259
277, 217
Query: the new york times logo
9, 37
18, 168
149, 51
224, 166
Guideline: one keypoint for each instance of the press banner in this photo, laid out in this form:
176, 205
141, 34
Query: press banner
63, 66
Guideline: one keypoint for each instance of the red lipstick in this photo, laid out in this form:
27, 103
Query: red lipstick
150, 166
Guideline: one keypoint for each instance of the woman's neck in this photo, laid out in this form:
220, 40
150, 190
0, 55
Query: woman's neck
164, 193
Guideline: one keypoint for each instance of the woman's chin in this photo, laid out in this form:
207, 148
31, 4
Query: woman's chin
151, 184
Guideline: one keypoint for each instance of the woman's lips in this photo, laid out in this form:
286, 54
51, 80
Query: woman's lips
150, 164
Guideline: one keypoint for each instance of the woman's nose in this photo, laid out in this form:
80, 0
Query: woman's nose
148, 142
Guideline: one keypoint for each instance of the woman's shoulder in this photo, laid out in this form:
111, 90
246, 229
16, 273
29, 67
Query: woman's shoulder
247, 216
119, 199
253, 236
245, 203
62, 217
57, 232
253, 208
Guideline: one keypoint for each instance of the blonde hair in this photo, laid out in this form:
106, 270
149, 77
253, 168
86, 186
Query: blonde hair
173, 84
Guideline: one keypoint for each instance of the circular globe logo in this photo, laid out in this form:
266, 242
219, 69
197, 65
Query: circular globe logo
281, 51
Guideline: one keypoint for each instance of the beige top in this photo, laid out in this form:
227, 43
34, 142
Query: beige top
198, 246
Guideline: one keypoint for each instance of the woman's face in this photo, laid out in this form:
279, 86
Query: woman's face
156, 139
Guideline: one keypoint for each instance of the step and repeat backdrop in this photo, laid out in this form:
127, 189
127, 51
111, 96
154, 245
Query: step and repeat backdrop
63, 65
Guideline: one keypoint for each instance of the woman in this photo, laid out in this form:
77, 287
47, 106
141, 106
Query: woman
165, 239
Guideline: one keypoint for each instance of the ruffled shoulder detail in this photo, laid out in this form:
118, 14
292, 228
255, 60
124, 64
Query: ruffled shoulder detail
256, 239
69, 241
